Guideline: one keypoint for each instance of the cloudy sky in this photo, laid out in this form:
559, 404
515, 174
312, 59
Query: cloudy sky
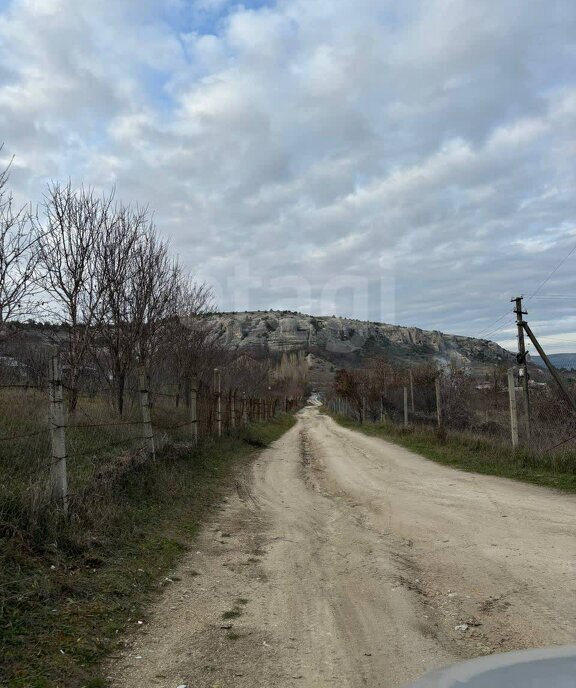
409, 161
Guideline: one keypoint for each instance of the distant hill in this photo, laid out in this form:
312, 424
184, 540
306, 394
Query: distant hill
566, 361
331, 342
325, 342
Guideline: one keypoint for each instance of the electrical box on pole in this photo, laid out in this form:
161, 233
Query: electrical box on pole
521, 360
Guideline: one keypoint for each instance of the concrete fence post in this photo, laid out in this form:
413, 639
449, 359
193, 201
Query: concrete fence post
58, 474
147, 431
405, 407
218, 391
194, 409
438, 402
513, 411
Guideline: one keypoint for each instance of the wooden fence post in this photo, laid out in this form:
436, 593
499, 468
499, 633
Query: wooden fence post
58, 474
147, 431
194, 409
438, 402
412, 407
513, 413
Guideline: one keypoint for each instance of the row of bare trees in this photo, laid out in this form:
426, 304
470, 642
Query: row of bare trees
100, 269
475, 402
111, 279
373, 383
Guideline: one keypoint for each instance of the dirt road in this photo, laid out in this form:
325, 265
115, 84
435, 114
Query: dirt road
344, 560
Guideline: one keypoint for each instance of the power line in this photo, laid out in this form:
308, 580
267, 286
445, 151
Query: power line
489, 331
553, 271
564, 297
498, 329
489, 327
551, 341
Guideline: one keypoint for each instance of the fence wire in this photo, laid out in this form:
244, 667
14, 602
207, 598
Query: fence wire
473, 407
102, 426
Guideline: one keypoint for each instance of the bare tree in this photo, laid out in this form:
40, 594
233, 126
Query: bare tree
141, 285
155, 292
18, 255
76, 224
117, 330
189, 345
250, 375
195, 302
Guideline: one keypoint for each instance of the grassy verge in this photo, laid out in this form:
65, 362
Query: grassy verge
65, 599
475, 454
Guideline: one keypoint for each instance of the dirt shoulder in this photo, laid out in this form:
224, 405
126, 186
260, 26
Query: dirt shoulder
66, 598
344, 560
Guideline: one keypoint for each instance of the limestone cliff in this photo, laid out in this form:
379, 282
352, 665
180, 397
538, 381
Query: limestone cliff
344, 341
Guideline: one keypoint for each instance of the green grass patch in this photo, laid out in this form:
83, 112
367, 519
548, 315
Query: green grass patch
68, 589
475, 454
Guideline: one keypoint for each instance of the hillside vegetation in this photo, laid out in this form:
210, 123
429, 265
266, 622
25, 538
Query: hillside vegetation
331, 343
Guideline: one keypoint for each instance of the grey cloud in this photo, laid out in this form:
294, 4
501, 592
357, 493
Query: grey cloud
304, 144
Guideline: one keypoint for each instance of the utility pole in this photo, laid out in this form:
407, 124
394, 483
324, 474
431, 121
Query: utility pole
559, 381
521, 359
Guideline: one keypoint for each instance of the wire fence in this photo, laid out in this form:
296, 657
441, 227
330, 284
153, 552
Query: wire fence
58, 437
458, 403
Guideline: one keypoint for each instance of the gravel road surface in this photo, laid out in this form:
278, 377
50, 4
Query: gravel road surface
344, 560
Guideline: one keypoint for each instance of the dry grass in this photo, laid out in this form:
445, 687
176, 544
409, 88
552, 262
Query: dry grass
477, 453
68, 588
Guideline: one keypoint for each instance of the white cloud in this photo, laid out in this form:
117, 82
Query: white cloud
301, 142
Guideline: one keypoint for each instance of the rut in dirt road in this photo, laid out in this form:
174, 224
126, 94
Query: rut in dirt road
344, 560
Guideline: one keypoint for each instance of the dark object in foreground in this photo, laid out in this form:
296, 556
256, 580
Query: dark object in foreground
552, 667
